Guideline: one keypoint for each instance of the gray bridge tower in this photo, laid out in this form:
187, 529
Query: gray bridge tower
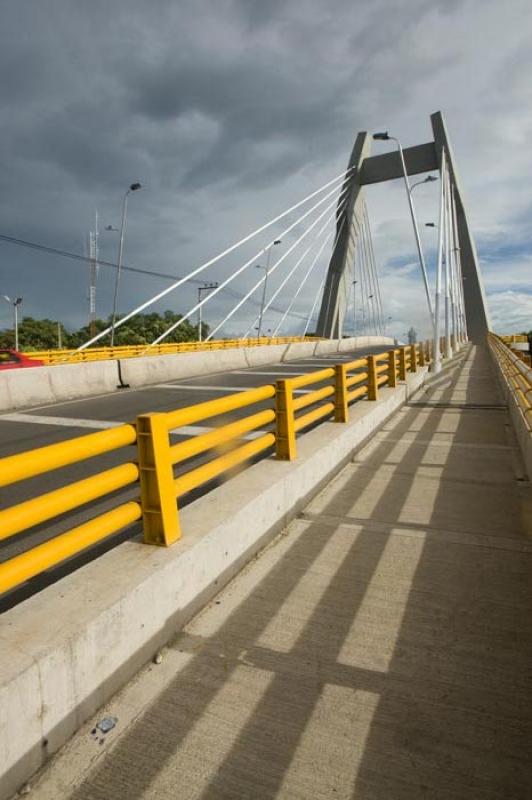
385, 167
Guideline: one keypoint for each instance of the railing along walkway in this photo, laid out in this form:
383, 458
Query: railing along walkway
381, 648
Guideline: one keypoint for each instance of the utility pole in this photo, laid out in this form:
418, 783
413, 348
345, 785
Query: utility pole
205, 288
93, 274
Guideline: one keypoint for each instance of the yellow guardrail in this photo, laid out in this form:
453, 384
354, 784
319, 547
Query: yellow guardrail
51, 357
517, 374
275, 414
514, 337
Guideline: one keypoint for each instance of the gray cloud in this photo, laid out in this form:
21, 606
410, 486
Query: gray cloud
229, 111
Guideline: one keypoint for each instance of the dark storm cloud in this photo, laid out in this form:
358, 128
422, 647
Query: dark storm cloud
225, 110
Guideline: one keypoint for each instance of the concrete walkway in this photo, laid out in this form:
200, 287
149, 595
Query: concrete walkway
381, 649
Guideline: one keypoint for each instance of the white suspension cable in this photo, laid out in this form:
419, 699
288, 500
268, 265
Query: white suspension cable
308, 273
370, 283
318, 293
437, 302
294, 268
338, 179
273, 268
460, 284
375, 271
245, 266
448, 351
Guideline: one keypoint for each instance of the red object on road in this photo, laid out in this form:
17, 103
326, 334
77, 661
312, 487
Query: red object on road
11, 359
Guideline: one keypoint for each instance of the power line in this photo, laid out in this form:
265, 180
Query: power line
56, 251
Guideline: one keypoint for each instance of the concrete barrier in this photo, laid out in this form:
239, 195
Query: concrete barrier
156, 369
68, 649
23, 388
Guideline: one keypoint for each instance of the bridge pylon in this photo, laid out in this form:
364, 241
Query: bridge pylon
364, 170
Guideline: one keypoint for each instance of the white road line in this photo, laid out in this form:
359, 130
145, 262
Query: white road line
69, 422
204, 388
278, 374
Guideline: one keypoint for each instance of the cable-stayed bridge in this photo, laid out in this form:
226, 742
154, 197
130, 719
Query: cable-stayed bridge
277, 566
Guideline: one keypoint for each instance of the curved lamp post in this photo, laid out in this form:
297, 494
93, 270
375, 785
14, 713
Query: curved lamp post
385, 137
133, 188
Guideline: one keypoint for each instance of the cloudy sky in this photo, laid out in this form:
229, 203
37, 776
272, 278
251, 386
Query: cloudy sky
229, 111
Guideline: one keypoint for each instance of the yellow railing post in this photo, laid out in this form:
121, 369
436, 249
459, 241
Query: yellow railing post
421, 359
402, 364
341, 411
373, 386
413, 358
392, 369
285, 435
158, 498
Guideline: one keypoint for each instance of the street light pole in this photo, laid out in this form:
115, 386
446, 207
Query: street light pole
133, 188
15, 303
267, 272
385, 137
205, 288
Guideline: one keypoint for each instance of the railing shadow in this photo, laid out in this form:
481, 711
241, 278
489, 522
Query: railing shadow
250, 714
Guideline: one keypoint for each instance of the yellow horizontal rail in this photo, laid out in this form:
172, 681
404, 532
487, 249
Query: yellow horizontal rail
381, 368
382, 380
313, 397
206, 441
32, 512
313, 416
359, 363
214, 408
312, 377
353, 380
21, 568
31, 463
207, 472
51, 357
357, 393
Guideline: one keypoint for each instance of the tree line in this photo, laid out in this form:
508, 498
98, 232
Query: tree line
45, 334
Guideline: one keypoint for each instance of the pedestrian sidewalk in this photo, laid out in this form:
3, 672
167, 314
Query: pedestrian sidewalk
380, 649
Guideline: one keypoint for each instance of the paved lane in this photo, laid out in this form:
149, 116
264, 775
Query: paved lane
44, 425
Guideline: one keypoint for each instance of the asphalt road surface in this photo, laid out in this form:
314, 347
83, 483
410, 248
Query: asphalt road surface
44, 425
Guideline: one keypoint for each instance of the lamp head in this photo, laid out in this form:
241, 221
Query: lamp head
135, 186
383, 136
431, 178
277, 241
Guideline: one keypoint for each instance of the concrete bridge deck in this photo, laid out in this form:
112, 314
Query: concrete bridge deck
379, 649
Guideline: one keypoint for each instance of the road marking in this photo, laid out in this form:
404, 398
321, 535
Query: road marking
70, 422
204, 388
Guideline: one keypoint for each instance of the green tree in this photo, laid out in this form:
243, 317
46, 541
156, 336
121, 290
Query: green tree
142, 329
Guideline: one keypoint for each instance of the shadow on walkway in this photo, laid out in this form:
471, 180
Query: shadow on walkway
380, 649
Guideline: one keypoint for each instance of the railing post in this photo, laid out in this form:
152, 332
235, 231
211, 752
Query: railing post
341, 411
413, 358
402, 364
285, 435
392, 369
421, 351
157, 493
373, 386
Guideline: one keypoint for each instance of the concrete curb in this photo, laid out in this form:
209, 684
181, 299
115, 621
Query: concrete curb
68, 649
24, 388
